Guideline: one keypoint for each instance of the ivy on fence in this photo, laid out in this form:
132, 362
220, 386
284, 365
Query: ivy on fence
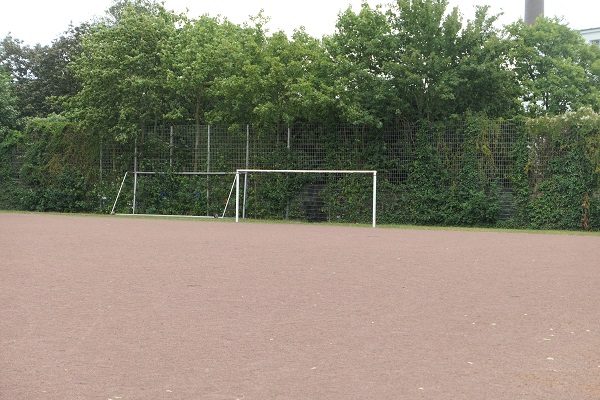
538, 173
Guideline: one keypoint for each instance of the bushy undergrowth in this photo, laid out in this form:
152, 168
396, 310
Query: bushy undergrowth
550, 180
556, 175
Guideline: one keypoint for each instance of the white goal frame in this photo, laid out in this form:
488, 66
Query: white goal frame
301, 171
135, 184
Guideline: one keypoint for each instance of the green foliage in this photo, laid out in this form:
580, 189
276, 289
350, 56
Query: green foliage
268, 196
520, 179
19, 61
54, 172
55, 83
556, 69
358, 49
196, 59
9, 114
145, 66
427, 190
349, 198
9, 143
475, 197
557, 172
66, 192
556, 202
121, 71
433, 195
167, 193
487, 84
40, 74
419, 61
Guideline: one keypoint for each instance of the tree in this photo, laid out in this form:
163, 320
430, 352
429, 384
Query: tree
41, 73
272, 79
417, 61
556, 69
121, 70
9, 114
487, 81
292, 80
426, 57
55, 81
359, 49
238, 91
205, 51
9, 139
21, 60
308, 67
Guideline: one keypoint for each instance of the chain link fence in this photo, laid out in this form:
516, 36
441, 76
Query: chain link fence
204, 151
477, 172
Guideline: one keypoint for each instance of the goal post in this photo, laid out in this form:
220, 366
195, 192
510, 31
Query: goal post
245, 172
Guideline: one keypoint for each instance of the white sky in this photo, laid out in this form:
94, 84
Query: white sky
41, 21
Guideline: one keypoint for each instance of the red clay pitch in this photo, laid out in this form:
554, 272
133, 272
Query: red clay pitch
124, 308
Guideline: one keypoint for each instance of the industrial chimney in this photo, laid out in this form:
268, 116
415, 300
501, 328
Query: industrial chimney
533, 9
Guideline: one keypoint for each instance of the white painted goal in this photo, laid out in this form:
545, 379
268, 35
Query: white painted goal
331, 195
178, 194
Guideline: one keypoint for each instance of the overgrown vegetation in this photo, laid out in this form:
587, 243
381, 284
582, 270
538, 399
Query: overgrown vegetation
557, 175
100, 88
52, 170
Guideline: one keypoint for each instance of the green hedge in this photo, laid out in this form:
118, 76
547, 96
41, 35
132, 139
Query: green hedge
48, 168
556, 176
448, 174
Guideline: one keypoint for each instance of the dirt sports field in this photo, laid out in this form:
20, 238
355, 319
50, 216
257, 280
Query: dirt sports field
124, 308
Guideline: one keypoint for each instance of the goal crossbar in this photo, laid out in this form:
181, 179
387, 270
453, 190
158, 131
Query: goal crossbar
303, 171
181, 173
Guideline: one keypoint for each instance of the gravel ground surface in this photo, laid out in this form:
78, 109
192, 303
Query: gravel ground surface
126, 308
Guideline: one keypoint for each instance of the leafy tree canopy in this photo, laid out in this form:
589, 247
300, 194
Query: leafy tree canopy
121, 70
9, 114
418, 60
556, 69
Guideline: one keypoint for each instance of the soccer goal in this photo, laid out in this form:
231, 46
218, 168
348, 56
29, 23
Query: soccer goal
348, 196
180, 194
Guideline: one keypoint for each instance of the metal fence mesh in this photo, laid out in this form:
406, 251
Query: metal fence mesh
485, 172
392, 151
486, 151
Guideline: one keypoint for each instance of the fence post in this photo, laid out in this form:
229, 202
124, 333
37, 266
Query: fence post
135, 175
208, 170
171, 146
100, 159
247, 167
287, 202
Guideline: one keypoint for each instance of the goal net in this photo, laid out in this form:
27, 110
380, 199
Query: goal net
309, 195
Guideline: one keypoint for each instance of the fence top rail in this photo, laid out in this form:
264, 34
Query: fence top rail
308, 171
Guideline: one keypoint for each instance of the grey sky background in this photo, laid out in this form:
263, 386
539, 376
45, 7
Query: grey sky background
41, 21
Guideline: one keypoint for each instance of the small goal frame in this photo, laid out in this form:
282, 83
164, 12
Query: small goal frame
135, 184
302, 171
